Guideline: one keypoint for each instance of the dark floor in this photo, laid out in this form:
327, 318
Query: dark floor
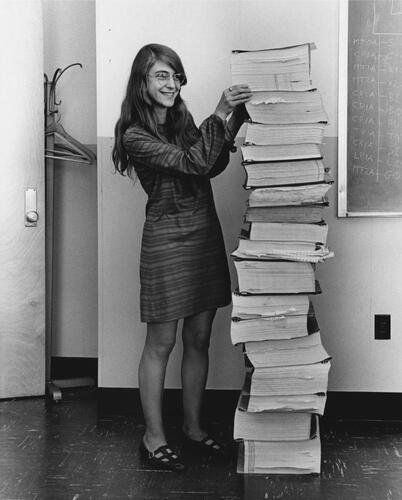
68, 451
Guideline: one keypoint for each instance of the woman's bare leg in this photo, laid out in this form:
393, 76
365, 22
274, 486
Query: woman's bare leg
196, 336
159, 343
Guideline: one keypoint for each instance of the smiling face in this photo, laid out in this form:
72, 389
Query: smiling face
162, 93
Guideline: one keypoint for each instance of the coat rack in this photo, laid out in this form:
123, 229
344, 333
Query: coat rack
59, 145
67, 148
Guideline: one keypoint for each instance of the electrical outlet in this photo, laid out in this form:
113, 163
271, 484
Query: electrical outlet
382, 326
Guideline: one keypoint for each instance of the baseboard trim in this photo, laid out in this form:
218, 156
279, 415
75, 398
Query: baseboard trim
64, 368
221, 404
217, 403
364, 405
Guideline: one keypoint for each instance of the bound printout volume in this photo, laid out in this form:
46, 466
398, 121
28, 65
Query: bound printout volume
306, 194
262, 135
311, 213
281, 250
272, 426
307, 233
284, 68
281, 457
282, 173
290, 380
283, 239
280, 108
270, 317
257, 276
278, 152
304, 350
310, 403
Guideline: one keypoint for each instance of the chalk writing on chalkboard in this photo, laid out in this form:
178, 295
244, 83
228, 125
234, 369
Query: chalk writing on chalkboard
373, 183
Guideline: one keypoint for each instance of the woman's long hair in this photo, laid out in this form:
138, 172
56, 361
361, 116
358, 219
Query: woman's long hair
138, 108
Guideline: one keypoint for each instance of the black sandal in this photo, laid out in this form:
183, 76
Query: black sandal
162, 458
207, 445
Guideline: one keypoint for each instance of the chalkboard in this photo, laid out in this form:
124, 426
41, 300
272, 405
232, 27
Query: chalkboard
370, 108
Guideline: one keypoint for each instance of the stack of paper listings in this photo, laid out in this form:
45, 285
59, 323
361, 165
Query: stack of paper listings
284, 393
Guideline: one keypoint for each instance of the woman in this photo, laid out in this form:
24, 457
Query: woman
183, 267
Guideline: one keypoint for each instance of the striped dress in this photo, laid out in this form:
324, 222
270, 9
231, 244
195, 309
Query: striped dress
183, 265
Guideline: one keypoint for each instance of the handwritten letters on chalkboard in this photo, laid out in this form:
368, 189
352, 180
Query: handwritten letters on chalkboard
373, 134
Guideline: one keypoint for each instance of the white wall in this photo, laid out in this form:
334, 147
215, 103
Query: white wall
204, 32
69, 37
362, 279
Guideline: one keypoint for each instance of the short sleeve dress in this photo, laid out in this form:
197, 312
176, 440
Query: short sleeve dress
183, 264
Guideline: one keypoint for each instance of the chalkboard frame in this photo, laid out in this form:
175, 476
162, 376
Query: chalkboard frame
343, 210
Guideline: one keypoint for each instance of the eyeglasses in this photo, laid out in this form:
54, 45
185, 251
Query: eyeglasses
164, 77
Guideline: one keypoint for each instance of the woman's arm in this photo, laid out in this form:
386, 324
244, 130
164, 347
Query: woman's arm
146, 150
149, 151
232, 127
237, 119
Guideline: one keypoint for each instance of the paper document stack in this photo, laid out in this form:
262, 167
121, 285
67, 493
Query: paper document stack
284, 237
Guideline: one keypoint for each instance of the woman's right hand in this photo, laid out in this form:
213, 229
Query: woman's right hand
232, 97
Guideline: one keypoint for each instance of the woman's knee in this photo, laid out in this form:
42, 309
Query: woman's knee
197, 338
161, 338
197, 331
199, 341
